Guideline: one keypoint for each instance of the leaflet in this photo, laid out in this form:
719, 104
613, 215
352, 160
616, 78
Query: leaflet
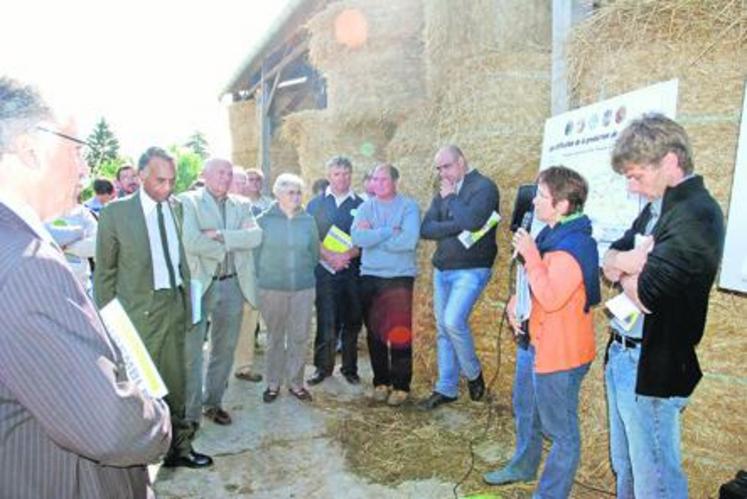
468, 239
140, 367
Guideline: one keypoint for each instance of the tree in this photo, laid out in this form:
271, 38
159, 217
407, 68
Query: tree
188, 167
198, 144
103, 146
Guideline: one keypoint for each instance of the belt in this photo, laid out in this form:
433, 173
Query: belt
626, 341
224, 277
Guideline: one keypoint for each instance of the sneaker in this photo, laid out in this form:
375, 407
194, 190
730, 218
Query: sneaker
397, 398
381, 393
504, 476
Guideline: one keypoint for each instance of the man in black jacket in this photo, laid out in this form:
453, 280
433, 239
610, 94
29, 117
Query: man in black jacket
465, 202
665, 263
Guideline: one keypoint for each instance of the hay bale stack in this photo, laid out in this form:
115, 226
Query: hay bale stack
380, 73
629, 44
242, 119
488, 78
319, 135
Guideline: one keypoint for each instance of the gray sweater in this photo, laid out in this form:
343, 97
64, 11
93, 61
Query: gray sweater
289, 251
389, 244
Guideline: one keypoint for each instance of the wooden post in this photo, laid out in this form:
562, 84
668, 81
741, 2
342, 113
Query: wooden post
565, 13
264, 99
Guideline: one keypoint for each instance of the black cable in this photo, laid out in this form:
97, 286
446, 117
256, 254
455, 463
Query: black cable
490, 400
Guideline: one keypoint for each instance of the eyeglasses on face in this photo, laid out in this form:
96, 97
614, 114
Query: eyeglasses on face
62, 135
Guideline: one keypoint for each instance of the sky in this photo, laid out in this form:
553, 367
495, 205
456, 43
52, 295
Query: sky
152, 68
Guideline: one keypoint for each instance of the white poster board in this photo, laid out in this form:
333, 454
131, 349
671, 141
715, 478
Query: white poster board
734, 263
583, 139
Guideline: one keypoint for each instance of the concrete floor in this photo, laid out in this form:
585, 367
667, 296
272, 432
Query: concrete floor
282, 450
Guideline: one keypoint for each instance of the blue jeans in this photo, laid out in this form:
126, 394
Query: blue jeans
644, 433
557, 404
454, 295
526, 459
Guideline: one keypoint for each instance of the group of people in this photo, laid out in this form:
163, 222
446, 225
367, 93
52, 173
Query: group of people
204, 265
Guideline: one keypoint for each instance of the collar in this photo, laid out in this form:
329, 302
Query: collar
21, 209
148, 203
571, 217
215, 199
341, 199
689, 185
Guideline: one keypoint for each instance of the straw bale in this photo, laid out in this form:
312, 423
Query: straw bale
319, 135
383, 77
242, 119
481, 27
629, 44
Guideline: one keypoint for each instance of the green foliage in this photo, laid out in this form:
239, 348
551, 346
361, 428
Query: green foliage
198, 144
103, 147
188, 167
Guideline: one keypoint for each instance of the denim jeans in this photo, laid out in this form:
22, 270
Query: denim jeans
557, 404
644, 433
454, 295
526, 459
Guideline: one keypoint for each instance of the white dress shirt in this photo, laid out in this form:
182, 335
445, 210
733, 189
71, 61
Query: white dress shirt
339, 199
28, 215
160, 271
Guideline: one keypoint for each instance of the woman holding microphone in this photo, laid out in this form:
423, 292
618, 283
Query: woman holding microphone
562, 269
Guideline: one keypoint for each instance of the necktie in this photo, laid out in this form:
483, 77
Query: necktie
165, 246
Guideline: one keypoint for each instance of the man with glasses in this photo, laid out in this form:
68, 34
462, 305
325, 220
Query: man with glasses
140, 261
465, 202
253, 191
71, 424
127, 180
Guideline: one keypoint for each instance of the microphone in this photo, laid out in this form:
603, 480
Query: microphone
526, 224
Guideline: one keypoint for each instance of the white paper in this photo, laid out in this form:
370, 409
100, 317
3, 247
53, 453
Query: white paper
468, 239
624, 310
140, 367
195, 297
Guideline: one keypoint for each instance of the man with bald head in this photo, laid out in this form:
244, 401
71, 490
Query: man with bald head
465, 201
219, 235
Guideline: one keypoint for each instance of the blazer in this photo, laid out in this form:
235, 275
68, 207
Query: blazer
675, 285
71, 424
123, 263
204, 254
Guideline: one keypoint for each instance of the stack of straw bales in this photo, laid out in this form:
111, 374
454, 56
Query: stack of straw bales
629, 44
245, 142
381, 77
488, 81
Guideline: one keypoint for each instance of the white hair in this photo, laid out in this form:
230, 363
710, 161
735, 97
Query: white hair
286, 181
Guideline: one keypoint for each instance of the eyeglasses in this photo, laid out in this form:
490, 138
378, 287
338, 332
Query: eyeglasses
293, 193
63, 135
444, 166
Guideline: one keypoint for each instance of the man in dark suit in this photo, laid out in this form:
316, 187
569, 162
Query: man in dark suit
71, 424
140, 260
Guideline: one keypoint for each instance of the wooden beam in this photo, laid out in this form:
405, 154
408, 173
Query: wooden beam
293, 54
565, 13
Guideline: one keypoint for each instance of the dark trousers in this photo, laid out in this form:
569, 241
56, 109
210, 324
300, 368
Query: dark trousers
387, 312
337, 304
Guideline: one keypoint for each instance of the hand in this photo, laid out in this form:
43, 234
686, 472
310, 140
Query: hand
363, 225
511, 312
523, 243
447, 187
213, 234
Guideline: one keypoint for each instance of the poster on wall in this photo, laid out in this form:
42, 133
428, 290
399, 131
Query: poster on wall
583, 139
734, 263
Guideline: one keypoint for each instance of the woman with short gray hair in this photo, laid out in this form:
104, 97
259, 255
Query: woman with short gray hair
285, 275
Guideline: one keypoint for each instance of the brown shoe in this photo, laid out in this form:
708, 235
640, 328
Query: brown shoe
248, 375
397, 398
218, 415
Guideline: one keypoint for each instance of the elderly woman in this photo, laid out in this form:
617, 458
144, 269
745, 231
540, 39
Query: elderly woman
562, 268
285, 273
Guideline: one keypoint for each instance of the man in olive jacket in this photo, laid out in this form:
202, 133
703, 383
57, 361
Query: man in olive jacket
140, 261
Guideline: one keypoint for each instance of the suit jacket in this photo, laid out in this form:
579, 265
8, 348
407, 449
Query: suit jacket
204, 254
675, 285
71, 424
124, 268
